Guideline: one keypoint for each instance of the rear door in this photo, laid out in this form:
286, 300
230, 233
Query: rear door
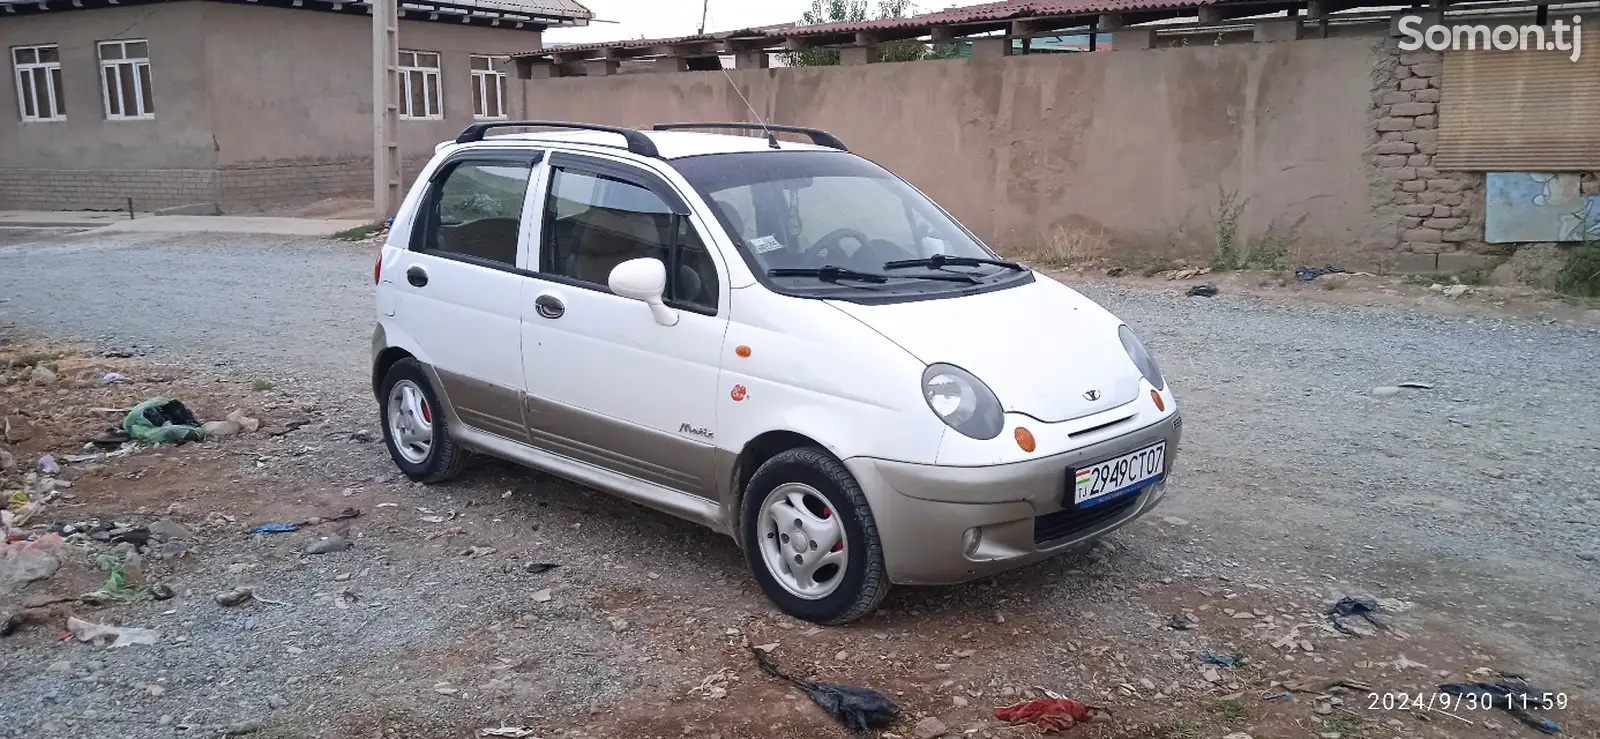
459, 288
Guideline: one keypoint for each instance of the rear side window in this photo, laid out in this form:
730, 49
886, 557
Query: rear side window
595, 221
475, 211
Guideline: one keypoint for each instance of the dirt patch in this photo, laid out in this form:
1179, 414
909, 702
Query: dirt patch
1362, 290
336, 208
430, 627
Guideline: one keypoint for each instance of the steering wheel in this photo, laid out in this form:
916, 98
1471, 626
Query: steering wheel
823, 252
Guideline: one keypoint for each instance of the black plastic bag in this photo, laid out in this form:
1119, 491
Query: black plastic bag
1348, 606
857, 708
1510, 694
173, 412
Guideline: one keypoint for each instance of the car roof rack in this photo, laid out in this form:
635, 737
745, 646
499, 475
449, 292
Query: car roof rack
638, 143
818, 136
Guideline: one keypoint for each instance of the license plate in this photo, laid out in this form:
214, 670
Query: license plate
1102, 481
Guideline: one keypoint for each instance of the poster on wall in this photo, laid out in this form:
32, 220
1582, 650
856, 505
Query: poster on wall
1539, 206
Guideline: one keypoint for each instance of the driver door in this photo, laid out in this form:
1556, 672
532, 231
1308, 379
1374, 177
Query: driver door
607, 384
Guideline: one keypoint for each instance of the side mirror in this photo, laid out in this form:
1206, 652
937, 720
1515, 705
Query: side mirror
644, 279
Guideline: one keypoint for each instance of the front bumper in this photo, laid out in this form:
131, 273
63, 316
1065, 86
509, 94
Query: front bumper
922, 536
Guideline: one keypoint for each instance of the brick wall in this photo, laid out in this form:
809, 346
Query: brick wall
262, 185
1439, 215
100, 189
266, 184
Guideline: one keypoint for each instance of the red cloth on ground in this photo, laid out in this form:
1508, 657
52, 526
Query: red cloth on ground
1048, 714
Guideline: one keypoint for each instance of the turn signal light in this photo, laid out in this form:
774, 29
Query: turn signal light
1025, 439
377, 269
1155, 395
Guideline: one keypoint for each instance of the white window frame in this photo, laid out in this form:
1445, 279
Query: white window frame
482, 79
142, 109
52, 72
411, 70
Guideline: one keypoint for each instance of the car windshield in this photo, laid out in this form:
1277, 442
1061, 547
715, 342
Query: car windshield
798, 212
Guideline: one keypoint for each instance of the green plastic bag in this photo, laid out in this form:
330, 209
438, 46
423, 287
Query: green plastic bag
139, 425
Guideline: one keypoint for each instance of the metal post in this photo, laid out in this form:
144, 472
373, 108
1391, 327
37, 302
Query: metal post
386, 193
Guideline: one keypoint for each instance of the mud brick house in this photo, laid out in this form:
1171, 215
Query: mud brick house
241, 104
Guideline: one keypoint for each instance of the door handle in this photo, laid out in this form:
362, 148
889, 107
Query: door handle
417, 276
549, 306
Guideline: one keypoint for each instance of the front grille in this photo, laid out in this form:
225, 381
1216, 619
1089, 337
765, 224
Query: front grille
1098, 429
1053, 527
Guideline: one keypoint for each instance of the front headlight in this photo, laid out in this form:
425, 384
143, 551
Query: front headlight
962, 401
1141, 358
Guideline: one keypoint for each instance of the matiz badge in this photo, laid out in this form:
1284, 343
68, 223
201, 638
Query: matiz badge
697, 431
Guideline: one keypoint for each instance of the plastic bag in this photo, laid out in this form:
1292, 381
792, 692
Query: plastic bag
162, 421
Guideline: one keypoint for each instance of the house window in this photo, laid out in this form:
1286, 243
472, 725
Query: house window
419, 86
39, 83
125, 74
488, 87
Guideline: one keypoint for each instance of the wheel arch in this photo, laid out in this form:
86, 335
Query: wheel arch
755, 452
381, 364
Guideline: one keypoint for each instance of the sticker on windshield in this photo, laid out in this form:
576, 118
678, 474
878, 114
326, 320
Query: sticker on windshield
764, 244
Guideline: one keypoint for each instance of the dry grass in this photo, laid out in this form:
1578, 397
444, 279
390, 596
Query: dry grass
1061, 246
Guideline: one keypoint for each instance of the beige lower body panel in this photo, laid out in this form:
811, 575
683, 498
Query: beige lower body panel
922, 511
565, 441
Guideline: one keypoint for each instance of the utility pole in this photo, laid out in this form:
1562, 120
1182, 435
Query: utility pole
704, 8
386, 183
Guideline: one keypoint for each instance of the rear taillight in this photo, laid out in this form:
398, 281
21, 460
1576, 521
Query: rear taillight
377, 269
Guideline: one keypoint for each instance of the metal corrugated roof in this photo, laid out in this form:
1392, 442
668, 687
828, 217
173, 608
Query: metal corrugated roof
777, 31
993, 12
997, 11
548, 8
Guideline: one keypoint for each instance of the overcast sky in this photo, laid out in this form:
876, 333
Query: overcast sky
667, 18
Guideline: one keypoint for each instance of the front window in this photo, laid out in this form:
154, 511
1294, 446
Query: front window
841, 214
125, 76
38, 71
420, 98
488, 87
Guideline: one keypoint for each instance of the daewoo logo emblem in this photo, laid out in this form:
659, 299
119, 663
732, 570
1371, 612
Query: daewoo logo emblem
1092, 395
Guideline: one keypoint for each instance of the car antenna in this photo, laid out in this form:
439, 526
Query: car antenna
772, 140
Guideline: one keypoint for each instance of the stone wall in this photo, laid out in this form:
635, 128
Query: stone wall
1439, 215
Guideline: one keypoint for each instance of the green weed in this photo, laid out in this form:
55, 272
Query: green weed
1274, 244
260, 385
1231, 709
359, 232
1225, 224
1341, 724
1579, 276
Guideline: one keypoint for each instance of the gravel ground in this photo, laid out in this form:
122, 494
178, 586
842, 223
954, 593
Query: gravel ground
1477, 499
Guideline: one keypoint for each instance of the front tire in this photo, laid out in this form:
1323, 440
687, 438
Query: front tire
417, 434
810, 539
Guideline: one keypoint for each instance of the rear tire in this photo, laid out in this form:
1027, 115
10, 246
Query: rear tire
414, 429
796, 503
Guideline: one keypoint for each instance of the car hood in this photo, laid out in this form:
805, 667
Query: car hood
1043, 348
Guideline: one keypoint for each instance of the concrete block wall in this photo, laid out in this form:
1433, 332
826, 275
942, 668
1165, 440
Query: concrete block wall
268, 184
103, 189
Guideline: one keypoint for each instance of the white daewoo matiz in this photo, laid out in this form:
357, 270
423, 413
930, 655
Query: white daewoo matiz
782, 341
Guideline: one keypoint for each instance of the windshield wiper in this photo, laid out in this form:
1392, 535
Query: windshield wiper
939, 260
832, 273
827, 273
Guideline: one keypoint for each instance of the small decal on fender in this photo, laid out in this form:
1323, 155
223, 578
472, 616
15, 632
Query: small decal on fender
691, 429
738, 394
